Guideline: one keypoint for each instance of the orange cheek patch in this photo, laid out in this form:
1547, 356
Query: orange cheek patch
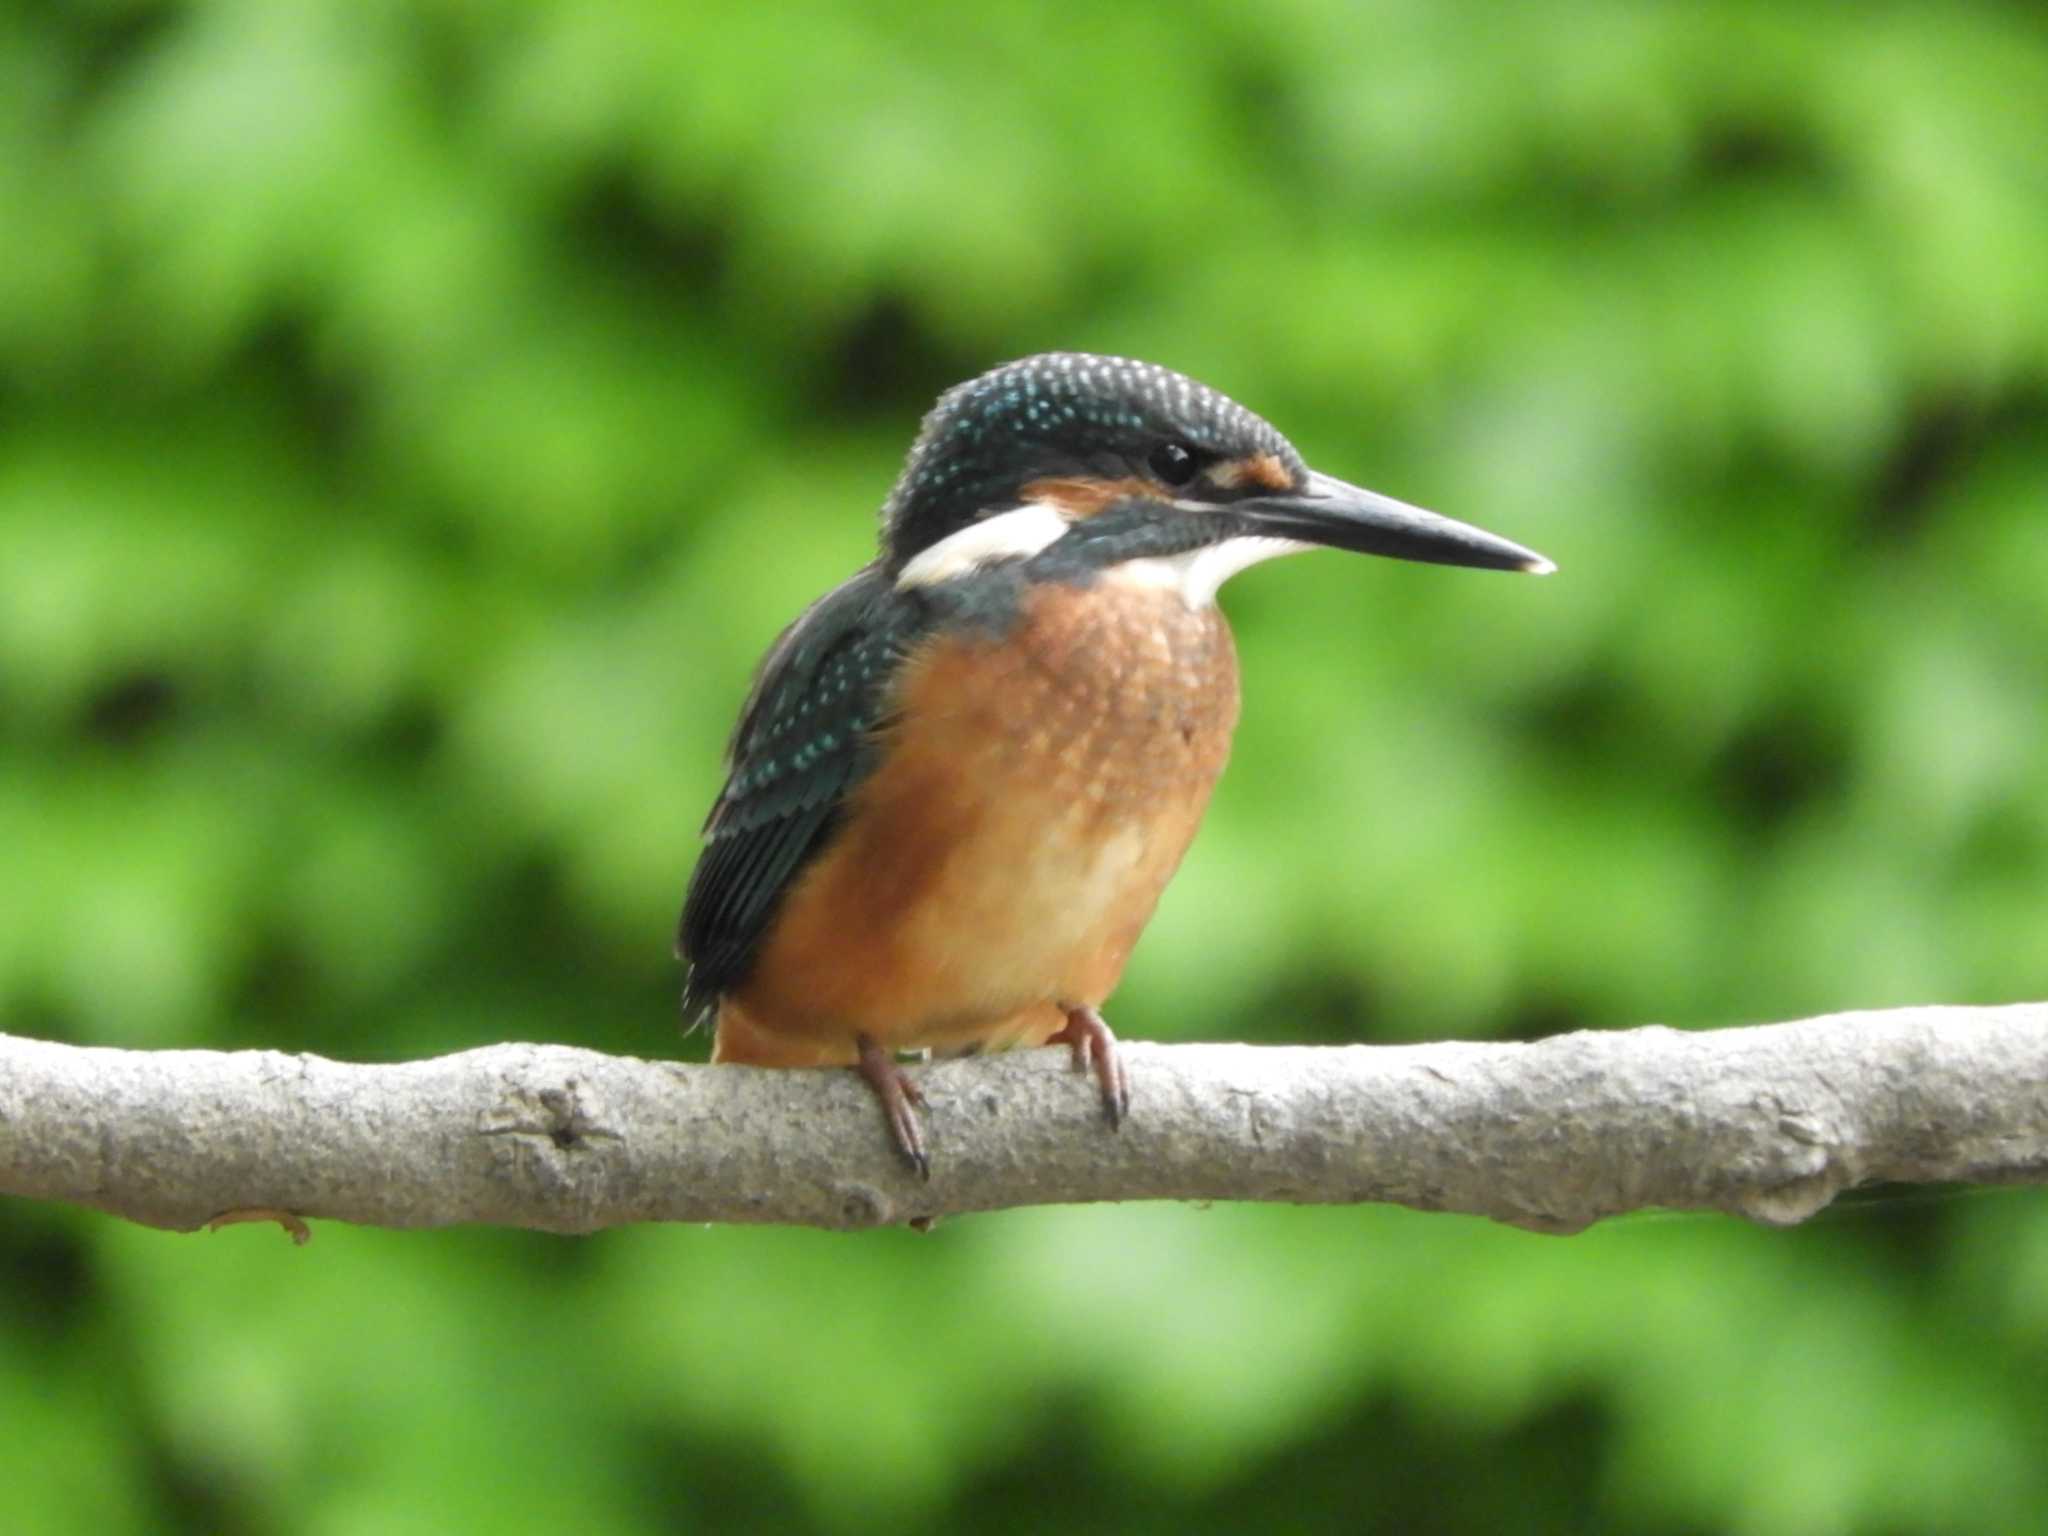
1080, 498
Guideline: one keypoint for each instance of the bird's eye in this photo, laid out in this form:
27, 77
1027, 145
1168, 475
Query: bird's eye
1174, 463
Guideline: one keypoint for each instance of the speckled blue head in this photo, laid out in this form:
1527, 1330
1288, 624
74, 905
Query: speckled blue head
1101, 462
1060, 415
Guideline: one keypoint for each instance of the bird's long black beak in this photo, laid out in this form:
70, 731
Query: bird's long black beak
1331, 512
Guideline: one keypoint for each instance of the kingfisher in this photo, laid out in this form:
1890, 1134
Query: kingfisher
963, 777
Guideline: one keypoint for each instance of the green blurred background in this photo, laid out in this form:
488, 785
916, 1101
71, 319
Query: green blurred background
414, 421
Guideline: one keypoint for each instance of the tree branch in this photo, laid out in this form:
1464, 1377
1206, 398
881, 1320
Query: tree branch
1770, 1123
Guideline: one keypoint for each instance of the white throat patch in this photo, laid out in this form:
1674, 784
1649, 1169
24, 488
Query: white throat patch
1195, 574
1198, 573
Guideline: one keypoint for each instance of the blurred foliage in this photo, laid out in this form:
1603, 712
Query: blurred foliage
414, 420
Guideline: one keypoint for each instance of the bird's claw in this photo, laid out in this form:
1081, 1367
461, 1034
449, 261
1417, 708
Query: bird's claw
1094, 1046
901, 1099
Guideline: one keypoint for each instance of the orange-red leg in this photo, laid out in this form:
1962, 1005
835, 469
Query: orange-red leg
1095, 1046
901, 1098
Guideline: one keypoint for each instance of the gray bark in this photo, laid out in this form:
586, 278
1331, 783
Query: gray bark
1769, 1123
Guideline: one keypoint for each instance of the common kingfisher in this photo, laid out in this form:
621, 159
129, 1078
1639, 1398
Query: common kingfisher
963, 777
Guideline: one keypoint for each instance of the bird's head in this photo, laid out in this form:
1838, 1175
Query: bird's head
1107, 462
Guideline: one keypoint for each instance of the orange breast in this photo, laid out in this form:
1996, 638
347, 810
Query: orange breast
1035, 795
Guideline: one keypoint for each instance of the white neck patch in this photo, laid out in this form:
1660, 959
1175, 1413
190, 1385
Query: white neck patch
1196, 574
1006, 536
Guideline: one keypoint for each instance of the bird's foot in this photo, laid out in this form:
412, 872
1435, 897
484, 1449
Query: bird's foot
901, 1099
1094, 1046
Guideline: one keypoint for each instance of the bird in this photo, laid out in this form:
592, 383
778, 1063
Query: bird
962, 779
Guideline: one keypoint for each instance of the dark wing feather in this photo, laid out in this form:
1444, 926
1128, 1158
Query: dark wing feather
801, 746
